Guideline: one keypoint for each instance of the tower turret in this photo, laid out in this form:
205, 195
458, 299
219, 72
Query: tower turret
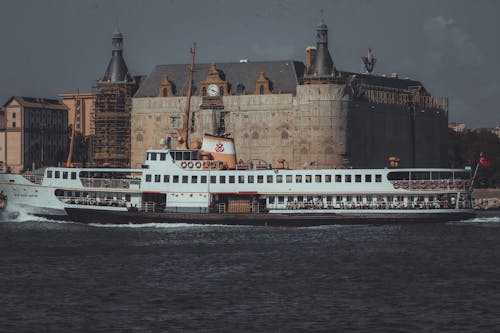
117, 70
323, 63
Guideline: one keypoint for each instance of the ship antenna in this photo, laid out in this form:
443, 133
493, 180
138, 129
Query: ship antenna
73, 129
183, 132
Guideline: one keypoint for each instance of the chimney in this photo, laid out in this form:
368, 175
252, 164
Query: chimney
310, 55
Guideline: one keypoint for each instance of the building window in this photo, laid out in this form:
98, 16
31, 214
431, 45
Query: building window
166, 178
261, 89
165, 92
222, 91
148, 178
368, 178
204, 91
13, 124
357, 178
13, 115
240, 88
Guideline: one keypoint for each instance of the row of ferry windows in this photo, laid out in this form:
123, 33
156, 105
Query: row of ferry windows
61, 174
241, 179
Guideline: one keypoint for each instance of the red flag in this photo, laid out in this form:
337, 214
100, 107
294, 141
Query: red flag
484, 161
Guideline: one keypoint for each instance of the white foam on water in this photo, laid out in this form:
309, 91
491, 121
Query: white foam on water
159, 225
484, 219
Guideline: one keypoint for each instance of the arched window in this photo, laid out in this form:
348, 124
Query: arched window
240, 89
138, 138
261, 89
255, 135
221, 91
165, 92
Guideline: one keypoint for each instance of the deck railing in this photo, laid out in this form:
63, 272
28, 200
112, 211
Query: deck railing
36, 179
109, 183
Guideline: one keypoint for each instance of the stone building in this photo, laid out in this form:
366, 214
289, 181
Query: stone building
33, 133
83, 105
310, 115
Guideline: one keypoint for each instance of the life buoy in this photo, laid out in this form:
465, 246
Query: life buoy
406, 185
414, 184
183, 164
458, 184
213, 165
206, 164
466, 183
433, 184
396, 185
197, 165
190, 165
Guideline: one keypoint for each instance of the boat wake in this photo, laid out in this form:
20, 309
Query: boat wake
160, 225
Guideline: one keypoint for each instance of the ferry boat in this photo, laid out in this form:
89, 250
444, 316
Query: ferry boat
208, 186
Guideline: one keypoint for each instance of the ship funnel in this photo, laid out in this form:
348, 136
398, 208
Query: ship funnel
221, 148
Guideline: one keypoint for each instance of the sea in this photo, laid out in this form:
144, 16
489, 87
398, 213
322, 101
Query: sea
70, 277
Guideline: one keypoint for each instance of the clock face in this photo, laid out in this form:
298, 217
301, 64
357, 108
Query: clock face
213, 90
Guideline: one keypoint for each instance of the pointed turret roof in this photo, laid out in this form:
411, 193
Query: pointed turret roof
323, 63
117, 71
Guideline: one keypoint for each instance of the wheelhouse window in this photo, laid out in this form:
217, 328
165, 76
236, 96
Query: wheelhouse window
163, 156
298, 178
378, 178
65, 174
57, 174
73, 175
368, 178
153, 156
49, 173
357, 178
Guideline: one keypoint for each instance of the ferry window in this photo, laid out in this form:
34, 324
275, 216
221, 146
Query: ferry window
157, 178
148, 178
56, 174
349, 198
65, 174
289, 199
338, 178
184, 179
359, 198
288, 178
186, 155
231, 179
73, 175
317, 178
153, 156
163, 156
389, 198
328, 178
194, 179
175, 179
461, 175
338, 198
369, 198
49, 174
309, 198
241, 179
347, 178
298, 178
203, 179
357, 178
368, 178
178, 155
378, 178
250, 179
260, 179
270, 178
308, 178
398, 175
222, 179
279, 179
329, 198
281, 199
166, 178
271, 199
127, 197
420, 175
213, 179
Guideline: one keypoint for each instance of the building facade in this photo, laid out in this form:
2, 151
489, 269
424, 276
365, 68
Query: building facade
83, 105
34, 133
309, 115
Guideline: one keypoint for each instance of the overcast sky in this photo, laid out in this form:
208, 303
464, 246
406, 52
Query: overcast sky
452, 47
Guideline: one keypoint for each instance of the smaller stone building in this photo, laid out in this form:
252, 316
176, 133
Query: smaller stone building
33, 133
83, 105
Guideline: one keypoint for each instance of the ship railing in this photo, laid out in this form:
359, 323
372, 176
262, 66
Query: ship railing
109, 183
93, 201
148, 207
222, 208
438, 184
434, 204
36, 179
255, 208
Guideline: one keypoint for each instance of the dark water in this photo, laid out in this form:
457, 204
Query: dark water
65, 277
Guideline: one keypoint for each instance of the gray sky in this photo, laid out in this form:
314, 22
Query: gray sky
56, 46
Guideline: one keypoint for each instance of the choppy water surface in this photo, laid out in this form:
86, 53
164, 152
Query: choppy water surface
67, 277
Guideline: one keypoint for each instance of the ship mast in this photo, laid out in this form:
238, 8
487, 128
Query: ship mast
73, 130
183, 132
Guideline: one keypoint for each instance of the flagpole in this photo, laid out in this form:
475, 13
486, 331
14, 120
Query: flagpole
474, 177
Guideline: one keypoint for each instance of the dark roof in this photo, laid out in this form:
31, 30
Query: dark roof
283, 75
38, 103
384, 81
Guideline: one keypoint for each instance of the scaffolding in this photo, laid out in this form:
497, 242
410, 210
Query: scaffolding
111, 124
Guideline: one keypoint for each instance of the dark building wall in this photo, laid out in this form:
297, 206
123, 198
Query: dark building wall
376, 132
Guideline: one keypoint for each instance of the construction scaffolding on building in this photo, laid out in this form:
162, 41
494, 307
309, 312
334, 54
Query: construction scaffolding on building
111, 122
